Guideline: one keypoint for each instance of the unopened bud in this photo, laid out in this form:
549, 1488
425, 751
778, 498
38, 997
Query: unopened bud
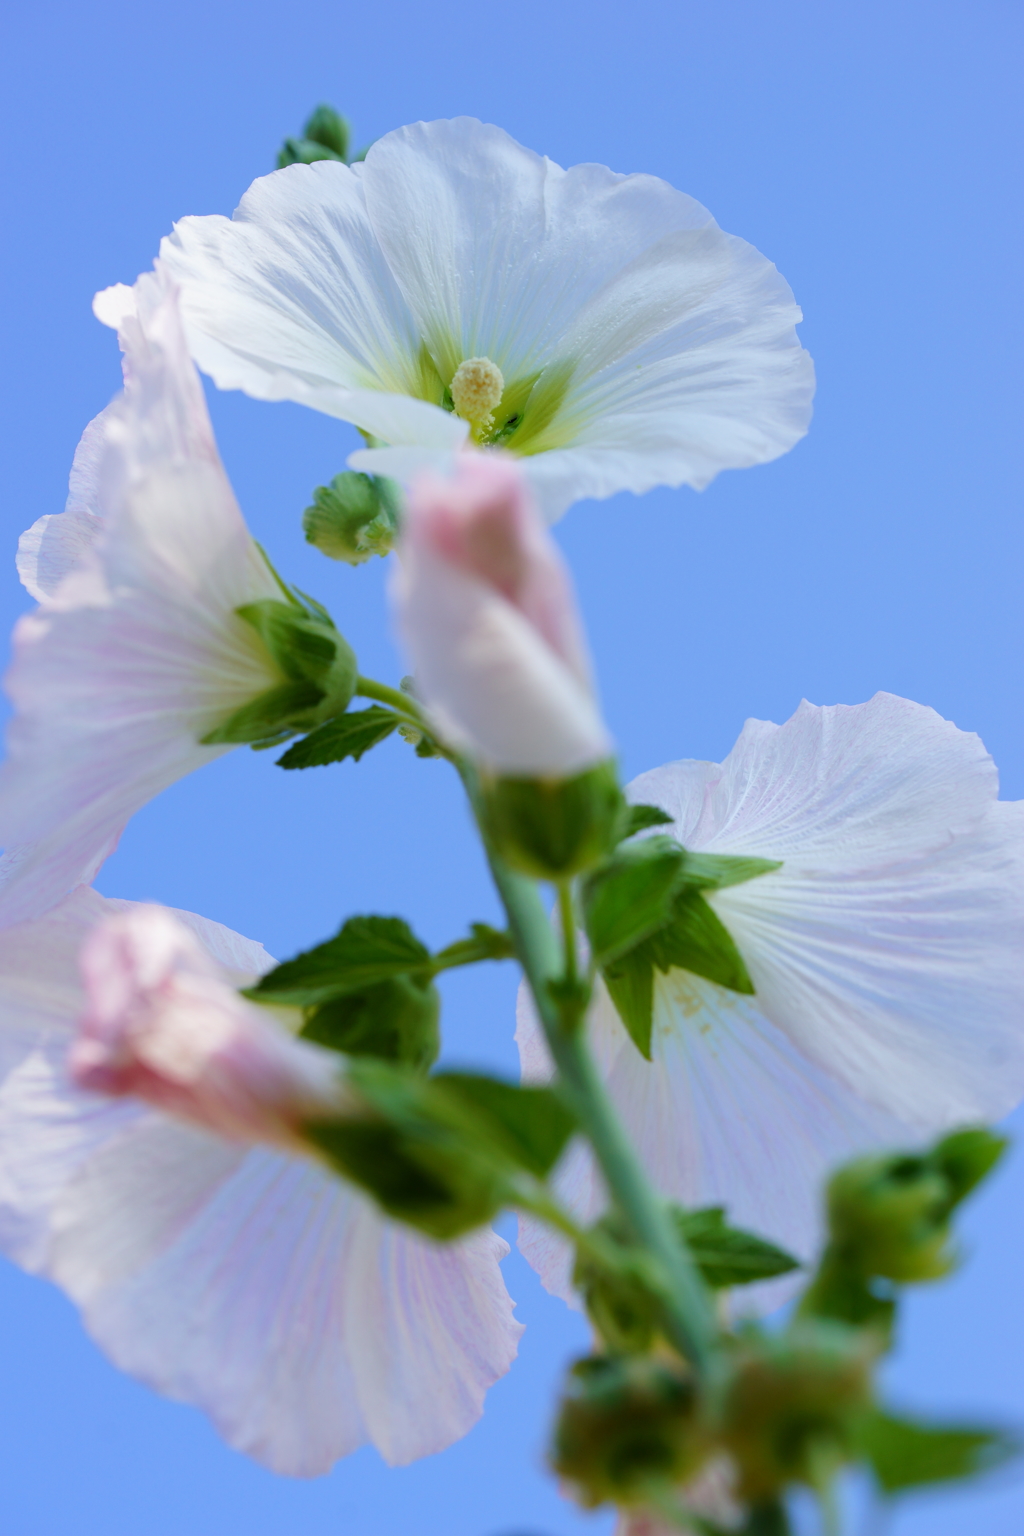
790, 1405
889, 1216
326, 136
354, 517
627, 1424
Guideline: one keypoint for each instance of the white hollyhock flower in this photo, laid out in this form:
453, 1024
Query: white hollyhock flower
457, 286
136, 651
486, 610
245, 1279
887, 956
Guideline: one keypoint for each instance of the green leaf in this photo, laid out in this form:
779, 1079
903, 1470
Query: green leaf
365, 951
639, 817
629, 896
396, 1020
728, 1256
350, 735
904, 1453
485, 943
442, 1153
529, 1126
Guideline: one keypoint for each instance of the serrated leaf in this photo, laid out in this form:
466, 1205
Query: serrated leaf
484, 943
629, 896
396, 1020
639, 817
350, 735
365, 951
728, 1256
904, 1453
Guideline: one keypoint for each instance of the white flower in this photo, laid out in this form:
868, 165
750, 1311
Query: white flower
243, 1279
602, 326
887, 954
135, 652
486, 611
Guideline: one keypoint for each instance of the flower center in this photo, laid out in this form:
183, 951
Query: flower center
476, 390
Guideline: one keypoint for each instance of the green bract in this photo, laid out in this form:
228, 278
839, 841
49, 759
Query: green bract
317, 666
552, 829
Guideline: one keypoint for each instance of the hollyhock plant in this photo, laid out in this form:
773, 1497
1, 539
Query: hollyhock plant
125, 677
210, 1256
485, 608
457, 287
885, 952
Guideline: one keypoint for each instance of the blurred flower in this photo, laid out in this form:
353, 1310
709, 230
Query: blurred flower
486, 611
458, 286
136, 652
887, 955
245, 1279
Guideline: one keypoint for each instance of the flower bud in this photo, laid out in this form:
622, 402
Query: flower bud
486, 611
627, 1424
889, 1215
164, 1025
354, 517
553, 828
790, 1405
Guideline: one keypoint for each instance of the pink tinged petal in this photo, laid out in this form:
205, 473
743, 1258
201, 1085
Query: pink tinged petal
889, 947
162, 1024
244, 1281
486, 611
137, 653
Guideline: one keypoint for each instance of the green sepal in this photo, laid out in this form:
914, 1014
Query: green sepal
638, 818
715, 871
442, 1153
484, 943
907, 1453
364, 952
353, 517
728, 1256
395, 1020
552, 829
303, 152
629, 896
965, 1158
265, 720
694, 940
350, 735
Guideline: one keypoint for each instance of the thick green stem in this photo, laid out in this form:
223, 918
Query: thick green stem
687, 1310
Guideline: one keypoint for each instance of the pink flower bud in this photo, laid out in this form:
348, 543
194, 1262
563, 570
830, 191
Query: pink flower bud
163, 1024
486, 610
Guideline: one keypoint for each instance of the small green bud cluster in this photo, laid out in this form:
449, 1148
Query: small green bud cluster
354, 517
316, 664
326, 136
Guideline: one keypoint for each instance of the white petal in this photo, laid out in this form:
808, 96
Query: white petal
138, 653
56, 544
890, 945
727, 1112
292, 298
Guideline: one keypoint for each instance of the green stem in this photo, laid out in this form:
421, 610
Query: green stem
688, 1313
567, 917
368, 688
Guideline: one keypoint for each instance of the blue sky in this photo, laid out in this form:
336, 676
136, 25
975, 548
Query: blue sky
873, 152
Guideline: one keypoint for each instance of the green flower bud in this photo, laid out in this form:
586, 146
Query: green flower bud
627, 1424
790, 1405
327, 127
354, 517
553, 829
303, 152
889, 1216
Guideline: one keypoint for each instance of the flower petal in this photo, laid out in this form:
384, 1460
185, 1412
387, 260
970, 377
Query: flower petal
292, 298
890, 945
